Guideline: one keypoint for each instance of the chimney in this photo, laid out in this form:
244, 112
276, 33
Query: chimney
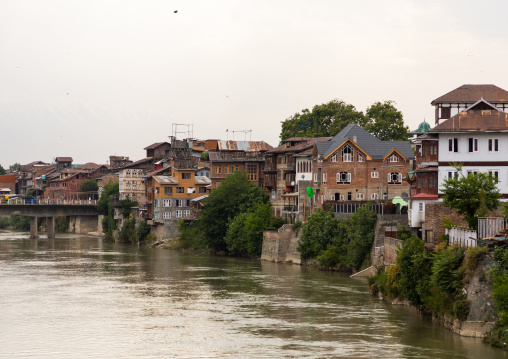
354, 139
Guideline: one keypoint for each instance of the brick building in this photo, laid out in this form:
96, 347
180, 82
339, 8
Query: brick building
355, 167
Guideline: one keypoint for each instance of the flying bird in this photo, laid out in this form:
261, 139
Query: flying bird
175, 11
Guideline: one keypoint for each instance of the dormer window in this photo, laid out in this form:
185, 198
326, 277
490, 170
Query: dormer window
333, 158
347, 153
360, 158
394, 158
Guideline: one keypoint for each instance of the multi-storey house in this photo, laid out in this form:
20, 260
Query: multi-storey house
465, 96
132, 185
173, 195
227, 157
471, 131
287, 167
355, 167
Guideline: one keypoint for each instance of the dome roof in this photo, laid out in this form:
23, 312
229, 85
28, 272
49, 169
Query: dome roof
423, 127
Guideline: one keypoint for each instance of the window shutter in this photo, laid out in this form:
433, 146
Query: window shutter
338, 177
349, 177
399, 176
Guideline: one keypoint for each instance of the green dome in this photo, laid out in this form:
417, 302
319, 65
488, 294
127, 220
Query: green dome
423, 127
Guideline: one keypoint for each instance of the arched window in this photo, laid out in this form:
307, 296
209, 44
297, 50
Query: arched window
374, 196
347, 153
393, 158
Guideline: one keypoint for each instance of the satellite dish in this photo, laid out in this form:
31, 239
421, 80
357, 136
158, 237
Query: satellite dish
292, 183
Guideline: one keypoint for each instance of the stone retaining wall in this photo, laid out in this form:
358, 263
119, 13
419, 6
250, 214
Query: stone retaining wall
281, 245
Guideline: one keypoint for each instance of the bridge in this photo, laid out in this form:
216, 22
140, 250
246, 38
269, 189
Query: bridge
83, 214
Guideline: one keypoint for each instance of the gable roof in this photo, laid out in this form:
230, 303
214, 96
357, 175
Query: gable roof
472, 93
155, 145
63, 159
481, 116
367, 142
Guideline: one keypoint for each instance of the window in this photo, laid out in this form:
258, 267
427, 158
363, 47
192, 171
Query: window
360, 157
186, 202
359, 196
156, 189
420, 207
343, 178
315, 177
252, 171
334, 157
453, 174
374, 175
178, 203
178, 213
166, 215
347, 153
191, 190
393, 158
337, 197
472, 172
279, 194
324, 178
218, 169
186, 175
180, 190
349, 196
374, 196
394, 178
473, 145
494, 174
168, 191
453, 144
202, 189
166, 202
493, 145
186, 213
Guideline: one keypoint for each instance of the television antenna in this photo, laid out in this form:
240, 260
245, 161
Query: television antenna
182, 128
245, 132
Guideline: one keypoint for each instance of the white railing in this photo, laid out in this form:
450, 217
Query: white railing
464, 237
29, 202
490, 226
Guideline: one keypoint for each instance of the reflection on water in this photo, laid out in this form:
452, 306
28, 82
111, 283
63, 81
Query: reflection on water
77, 296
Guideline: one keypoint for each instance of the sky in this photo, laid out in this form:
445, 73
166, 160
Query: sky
95, 78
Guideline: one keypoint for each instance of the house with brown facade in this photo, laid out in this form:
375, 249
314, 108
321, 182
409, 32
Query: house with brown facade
227, 157
355, 167
287, 169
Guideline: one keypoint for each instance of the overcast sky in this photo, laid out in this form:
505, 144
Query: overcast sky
94, 78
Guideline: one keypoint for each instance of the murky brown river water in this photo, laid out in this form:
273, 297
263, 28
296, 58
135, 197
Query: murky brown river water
79, 297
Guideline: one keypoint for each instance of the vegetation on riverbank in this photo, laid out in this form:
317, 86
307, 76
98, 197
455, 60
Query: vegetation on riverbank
338, 243
232, 220
432, 282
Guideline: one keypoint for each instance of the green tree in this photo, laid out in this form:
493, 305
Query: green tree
321, 228
142, 231
233, 196
461, 193
386, 122
415, 270
324, 120
361, 236
110, 190
2, 170
14, 167
127, 233
90, 185
127, 205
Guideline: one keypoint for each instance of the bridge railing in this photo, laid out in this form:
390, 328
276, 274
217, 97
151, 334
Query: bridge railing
32, 202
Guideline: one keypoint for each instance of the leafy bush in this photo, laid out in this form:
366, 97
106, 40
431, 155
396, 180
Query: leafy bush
296, 226
62, 224
473, 256
4, 222
142, 231
127, 233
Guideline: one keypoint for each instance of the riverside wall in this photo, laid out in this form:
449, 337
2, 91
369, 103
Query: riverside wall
281, 245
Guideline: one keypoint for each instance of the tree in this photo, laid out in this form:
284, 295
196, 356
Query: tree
361, 236
89, 185
386, 122
324, 120
110, 190
2, 170
233, 196
14, 167
461, 193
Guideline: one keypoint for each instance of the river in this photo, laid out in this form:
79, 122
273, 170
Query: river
80, 297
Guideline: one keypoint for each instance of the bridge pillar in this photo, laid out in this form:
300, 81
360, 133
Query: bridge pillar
33, 228
51, 227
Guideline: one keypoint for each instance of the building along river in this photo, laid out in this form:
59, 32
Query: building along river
80, 297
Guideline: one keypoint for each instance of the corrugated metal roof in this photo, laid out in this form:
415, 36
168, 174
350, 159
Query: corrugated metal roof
481, 116
63, 159
472, 93
155, 145
246, 146
202, 180
165, 179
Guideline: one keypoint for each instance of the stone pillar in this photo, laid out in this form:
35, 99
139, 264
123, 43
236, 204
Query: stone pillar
51, 227
33, 228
